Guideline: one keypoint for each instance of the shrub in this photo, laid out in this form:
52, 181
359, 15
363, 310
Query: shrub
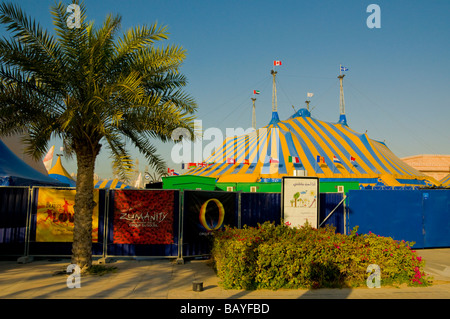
274, 257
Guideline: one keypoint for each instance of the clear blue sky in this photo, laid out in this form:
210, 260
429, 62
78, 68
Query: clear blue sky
397, 87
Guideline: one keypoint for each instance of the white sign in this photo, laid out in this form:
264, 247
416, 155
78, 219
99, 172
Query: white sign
300, 201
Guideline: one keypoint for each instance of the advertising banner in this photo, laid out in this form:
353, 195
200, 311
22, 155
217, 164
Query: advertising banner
55, 215
144, 217
300, 200
205, 212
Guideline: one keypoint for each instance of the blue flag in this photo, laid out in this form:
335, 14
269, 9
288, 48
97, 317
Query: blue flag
343, 68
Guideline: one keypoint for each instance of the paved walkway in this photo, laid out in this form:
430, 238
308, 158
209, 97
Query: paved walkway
165, 279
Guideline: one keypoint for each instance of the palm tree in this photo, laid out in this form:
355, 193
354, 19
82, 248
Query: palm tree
90, 87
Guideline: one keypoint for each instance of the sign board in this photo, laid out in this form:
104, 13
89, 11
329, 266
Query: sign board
300, 200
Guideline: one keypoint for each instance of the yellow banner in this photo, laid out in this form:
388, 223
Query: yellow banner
54, 220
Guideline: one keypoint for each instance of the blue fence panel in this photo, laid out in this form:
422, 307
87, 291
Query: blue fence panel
197, 240
328, 203
63, 248
147, 250
13, 220
436, 207
259, 208
391, 213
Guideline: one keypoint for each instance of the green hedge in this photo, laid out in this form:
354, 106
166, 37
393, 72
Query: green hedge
274, 257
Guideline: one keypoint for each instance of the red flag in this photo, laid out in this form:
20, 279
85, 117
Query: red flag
246, 161
276, 62
230, 161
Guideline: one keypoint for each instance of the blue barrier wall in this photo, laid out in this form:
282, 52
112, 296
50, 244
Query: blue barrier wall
260, 207
328, 203
421, 216
13, 220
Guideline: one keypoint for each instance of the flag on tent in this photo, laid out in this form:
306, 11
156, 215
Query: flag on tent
336, 160
352, 160
276, 62
190, 165
321, 160
230, 160
246, 161
255, 91
274, 160
293, 159
309, 94
48, 159
343, 68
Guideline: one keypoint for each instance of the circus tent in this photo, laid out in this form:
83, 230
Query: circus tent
59, 173
445, 181
111, 184
15, 172
305, 146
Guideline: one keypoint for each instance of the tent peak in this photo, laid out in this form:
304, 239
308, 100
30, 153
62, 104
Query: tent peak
301, 113
275, 118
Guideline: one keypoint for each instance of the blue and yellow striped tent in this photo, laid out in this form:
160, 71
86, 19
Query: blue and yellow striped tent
59, 173
445, 181
302, 143
111, 184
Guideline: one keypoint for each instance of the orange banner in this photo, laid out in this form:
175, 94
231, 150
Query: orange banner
55, 213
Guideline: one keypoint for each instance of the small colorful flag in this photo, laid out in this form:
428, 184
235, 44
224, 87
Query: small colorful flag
230, 161
352, 159
309, 94
255, 91
274, 160
293, 159
210, 163
246, 161
170, 171
320, 159
336, 160
276, 63
343, 68
190, 165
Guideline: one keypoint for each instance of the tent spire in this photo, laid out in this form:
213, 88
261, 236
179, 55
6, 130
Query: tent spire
275, 118
254, 114
274, 92
342, 118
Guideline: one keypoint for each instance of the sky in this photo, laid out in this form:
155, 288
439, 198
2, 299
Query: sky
397, 87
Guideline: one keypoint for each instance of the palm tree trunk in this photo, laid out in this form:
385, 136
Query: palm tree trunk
84, 205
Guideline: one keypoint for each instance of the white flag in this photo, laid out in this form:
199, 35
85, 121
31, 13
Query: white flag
310, 94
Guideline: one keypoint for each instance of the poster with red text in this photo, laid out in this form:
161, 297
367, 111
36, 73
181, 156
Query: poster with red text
143, 217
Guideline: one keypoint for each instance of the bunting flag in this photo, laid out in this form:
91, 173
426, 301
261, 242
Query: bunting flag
336, 160
293, 159
274, 160
275, 63
255, 91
